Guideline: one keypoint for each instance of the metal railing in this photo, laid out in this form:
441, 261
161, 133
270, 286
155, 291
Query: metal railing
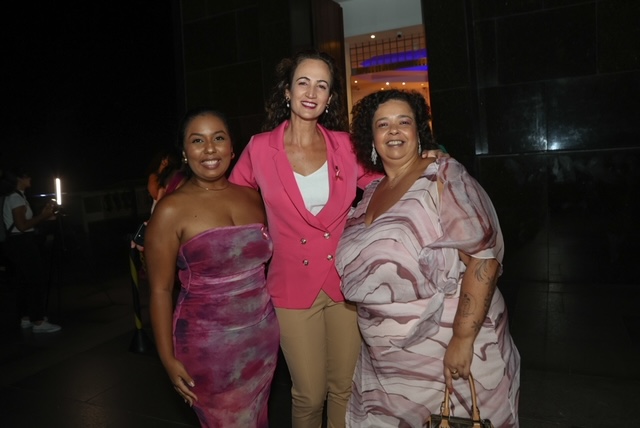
388, 54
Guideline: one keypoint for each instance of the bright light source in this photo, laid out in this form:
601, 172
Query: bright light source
58, 192
373, 36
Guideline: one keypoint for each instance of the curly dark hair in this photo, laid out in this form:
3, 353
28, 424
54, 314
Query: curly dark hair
276, 105
362, 123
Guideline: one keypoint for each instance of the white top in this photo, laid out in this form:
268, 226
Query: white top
12, 201
314, 188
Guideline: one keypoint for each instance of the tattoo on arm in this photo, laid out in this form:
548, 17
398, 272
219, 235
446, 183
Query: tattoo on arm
467, 309
485, 273
467, 305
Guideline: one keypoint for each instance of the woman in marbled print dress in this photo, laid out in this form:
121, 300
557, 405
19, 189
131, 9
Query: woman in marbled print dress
220, 345
420, 257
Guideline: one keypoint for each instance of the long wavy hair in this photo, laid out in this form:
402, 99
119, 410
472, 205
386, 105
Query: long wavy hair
276, 105
362, 123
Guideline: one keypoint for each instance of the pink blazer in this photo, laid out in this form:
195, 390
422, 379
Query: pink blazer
304, 245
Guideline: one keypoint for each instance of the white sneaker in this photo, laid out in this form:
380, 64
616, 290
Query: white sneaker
26, 323
46, 327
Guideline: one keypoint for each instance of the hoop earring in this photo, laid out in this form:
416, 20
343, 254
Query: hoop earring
374, 154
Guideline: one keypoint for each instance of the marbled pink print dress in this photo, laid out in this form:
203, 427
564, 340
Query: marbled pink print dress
225, 330
404, 274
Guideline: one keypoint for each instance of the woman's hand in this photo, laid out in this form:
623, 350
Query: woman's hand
457, 360
137, 245
182, 381
476, 293
48, 210
434, 154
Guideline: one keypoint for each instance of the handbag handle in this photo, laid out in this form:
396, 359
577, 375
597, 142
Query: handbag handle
446, 408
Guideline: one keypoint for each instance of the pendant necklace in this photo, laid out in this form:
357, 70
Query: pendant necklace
210, 189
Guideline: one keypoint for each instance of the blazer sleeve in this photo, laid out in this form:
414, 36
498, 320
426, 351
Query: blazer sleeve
366, 177
242, 173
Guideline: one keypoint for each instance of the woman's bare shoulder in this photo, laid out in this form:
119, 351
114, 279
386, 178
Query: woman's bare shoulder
247, 192
173, 205
247, 206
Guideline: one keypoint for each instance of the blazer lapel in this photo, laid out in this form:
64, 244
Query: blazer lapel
339, 179
285, 174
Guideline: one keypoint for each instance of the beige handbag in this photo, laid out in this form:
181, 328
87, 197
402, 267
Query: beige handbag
445, 420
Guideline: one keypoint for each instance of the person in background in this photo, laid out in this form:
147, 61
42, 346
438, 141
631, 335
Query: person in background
305, 168
161, 172
5, 189
162, 181
420, 257
220, 344
23, 251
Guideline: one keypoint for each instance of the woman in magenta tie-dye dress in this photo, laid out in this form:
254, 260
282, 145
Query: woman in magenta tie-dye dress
219, 345
427, 318
225, 329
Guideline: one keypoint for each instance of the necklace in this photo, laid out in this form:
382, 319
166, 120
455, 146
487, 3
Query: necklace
207, 188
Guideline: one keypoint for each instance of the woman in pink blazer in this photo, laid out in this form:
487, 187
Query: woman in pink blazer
307, 173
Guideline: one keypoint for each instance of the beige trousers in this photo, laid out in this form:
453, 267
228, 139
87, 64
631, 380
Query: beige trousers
321, 345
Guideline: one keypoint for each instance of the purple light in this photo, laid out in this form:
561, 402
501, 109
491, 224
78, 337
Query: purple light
393, 58
415, 68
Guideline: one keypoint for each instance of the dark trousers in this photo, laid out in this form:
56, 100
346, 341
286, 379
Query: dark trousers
23, 251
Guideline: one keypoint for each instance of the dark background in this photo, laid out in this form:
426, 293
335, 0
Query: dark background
89, 91
538, 99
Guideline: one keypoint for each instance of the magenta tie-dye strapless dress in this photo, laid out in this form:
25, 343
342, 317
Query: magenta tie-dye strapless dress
225, 330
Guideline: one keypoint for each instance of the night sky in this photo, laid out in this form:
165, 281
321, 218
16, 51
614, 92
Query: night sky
90, 91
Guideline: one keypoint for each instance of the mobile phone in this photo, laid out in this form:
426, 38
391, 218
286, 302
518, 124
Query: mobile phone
138, 238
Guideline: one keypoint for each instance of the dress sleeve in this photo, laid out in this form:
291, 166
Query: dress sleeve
467, 217
14, 201
242, 173
366, 177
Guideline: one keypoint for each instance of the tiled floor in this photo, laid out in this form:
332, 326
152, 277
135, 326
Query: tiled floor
579, 344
